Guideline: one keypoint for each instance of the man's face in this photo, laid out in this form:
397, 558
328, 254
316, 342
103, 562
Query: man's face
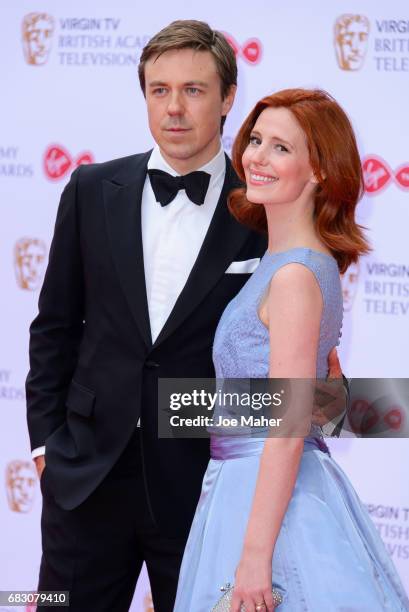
185, 106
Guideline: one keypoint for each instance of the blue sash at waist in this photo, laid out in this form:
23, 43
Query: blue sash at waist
234, 447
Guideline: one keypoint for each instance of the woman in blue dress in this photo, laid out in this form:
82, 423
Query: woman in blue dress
277, 517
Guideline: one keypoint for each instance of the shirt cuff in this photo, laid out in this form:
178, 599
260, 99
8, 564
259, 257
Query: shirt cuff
37, 452
329, 428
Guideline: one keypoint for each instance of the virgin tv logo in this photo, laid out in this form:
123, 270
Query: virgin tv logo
378, 175
251, 51
58, 162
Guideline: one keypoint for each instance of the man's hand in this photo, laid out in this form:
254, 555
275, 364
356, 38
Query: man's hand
330, 396
40, 465
334, 366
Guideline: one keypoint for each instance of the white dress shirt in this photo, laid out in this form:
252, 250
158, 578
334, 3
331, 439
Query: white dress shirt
172, 236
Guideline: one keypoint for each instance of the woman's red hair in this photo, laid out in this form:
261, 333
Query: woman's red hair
335, 161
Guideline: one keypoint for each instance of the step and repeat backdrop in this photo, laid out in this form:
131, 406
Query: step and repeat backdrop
70, 95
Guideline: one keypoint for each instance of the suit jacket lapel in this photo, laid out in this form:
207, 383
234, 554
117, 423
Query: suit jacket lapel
122, 199
223, 240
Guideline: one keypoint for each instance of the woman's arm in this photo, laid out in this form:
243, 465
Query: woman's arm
294, 309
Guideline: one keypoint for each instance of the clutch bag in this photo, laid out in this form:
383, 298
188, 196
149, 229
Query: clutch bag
223, 605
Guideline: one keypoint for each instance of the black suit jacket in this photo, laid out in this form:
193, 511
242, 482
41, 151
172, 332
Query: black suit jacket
93, 368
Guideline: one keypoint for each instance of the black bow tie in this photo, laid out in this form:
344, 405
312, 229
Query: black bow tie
165, 186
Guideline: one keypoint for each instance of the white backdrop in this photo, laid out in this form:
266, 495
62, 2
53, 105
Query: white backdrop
72, 95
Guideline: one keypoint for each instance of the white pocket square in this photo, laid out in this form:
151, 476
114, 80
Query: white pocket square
243, 267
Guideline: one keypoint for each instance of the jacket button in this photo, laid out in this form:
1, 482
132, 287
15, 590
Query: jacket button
151, 364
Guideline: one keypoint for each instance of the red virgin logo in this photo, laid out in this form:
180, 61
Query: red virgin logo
251, 51
378, 418
58, 161
378, 174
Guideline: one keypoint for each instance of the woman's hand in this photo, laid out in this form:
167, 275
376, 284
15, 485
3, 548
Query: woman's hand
252, 586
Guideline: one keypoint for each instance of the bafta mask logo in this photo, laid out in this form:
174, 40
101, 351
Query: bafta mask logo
37, 34
29, 259
21, 479
351, 39
148, 603
58, 161
350, 285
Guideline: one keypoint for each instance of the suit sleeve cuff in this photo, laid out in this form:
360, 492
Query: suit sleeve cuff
37, 452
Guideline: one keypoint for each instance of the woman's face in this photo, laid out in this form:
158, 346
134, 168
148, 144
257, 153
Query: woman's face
276, 161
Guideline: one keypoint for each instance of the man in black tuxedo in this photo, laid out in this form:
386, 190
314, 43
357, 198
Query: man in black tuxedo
135, 286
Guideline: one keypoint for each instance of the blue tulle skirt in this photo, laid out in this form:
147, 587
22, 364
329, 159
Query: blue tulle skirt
328, 557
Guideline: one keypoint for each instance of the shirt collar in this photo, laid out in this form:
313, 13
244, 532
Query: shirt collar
216, 167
